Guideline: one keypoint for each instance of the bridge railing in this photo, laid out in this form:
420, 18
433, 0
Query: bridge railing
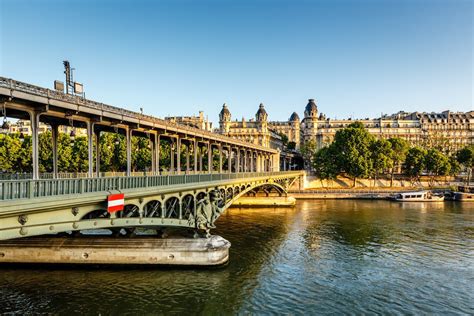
60, 96
22, 189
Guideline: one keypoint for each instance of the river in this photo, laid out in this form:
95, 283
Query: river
321, 257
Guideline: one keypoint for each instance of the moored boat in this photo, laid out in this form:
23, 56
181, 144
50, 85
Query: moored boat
418, 196
464, 194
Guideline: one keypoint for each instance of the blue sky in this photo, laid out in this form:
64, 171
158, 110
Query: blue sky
356, 58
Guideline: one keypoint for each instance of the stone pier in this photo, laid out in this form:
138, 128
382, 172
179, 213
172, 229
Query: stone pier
144, 250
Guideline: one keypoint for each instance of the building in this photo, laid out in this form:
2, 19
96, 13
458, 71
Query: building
193, 121
448, 130
256, 131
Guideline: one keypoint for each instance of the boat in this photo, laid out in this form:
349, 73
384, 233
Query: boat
418, 196
464, 194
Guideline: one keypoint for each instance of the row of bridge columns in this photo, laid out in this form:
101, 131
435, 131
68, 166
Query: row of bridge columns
239, 159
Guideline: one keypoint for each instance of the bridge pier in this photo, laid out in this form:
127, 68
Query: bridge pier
142, 250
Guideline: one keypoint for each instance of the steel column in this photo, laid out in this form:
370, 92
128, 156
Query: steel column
129, 151
54, 134
34, 120
178, 155
209, 158
90, 147
97, 153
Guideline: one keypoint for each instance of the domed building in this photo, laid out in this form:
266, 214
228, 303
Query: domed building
452, 130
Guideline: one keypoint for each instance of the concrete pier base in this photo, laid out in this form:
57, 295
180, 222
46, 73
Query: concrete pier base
109, 250
259, 201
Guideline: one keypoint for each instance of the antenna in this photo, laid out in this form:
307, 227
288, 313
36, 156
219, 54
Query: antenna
72, 87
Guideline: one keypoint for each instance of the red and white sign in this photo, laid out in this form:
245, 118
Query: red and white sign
115, 202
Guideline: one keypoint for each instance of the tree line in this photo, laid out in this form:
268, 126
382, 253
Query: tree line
16, 154
358, 154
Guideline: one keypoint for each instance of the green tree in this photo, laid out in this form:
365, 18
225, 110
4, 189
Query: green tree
465, 157
291, 146
352, 145
436, 163
415, 163
64, 153
45, 142
308, 151
80, 154
141, 153
399, 150
325, 163
382, 157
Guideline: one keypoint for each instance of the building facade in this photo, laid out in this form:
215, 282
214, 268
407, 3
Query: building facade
193, 121
447, 130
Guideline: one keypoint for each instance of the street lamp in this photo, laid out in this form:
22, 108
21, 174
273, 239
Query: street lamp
22, 137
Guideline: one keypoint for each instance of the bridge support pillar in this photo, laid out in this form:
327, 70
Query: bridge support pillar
129, 151
229, 159
172, 155
178, 155
157, 152
237, 160
220, 158
251, 162
209, 158
90, 148
195, 152
97, 153
34, 120
54, 134
188, 147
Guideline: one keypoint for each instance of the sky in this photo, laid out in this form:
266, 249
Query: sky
356, 58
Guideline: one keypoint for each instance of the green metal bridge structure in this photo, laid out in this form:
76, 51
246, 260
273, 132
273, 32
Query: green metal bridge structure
50, 206
189, 196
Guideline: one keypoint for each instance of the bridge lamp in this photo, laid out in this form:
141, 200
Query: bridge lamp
72, 136
5, 124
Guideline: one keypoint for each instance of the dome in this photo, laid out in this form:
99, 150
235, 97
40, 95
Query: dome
294, 117
261, 113
224, 115
311, 109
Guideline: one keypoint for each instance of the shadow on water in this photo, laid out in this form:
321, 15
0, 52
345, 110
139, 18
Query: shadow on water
182, 290
322, 257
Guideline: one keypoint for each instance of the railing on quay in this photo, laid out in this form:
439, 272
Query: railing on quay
24, 189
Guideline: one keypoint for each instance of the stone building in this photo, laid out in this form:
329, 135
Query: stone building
193, 121
256, 131
448, 130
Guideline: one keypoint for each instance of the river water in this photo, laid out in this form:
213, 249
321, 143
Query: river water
322, 257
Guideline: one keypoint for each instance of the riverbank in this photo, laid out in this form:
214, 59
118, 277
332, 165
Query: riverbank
334, 194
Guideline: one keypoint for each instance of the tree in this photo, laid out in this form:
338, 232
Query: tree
399, 151
352, 145
382, 157
415, 162
141, 153
465, 157
436, 163
80, 155
325, 164
308, 151
291, 146
45, 142
64, 153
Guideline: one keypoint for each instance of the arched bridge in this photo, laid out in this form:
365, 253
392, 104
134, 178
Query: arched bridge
49, 206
